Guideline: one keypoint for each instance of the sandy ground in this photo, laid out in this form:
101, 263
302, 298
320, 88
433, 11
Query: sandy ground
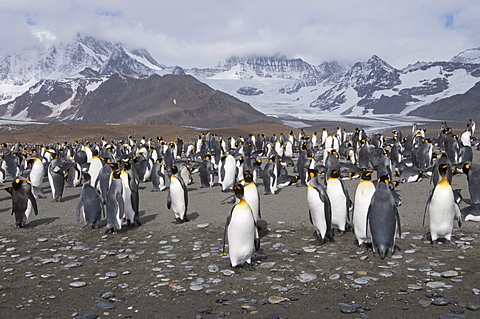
165, 270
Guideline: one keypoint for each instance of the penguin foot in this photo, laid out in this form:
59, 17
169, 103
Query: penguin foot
338, 232
179, 221
435, 243
248, 266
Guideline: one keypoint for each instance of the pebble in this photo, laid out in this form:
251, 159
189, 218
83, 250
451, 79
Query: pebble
111, 274
425, 302
334, 276
42, 239
205, 225
441, 301
106, 305
449, 274
452, 316
472, 306
349, 308
476, 291
73, 265
435, 284
78, 284
306, 277
275, 299
386, 274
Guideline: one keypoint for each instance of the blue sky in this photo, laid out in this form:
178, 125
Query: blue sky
193, 33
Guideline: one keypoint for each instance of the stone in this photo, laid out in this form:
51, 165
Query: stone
449, 274
105, 305
275, 299
435, 284
78, 284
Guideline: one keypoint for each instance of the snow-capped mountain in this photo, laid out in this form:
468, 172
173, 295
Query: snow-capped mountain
371, 89
55, 83
21, 71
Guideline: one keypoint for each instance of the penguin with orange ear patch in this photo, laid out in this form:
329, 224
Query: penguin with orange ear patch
23, 201
442, 209
241, 231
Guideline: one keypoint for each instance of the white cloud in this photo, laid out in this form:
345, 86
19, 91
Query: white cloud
200, 33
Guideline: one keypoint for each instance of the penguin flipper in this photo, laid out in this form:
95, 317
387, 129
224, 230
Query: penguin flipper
169, 200
427, 205
397, 218
310, 216
34, 202
458, 215
121, 205
229, 218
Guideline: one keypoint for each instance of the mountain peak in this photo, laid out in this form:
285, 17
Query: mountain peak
468, 56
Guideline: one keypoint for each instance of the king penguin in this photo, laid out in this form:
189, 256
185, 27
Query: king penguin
251, 195
241, 231
207, 172
115, 208
472, 170
130, 195
35, 175
320, 211
227, 172
23, 201
56, 178
363, 196
340, 202
177, 198
383, 219
90, 204
442, 208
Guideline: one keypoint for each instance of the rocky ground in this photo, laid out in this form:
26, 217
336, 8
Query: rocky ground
55, 268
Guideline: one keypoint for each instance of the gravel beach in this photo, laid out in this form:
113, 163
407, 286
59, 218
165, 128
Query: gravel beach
56, 268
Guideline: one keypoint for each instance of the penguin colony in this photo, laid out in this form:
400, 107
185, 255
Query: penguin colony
110, 173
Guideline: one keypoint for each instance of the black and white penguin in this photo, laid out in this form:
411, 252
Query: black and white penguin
23, 201
472, 170
270, 175
177, 198
227, 172
158, 176
207, 172
363, 196
35, 175
383, 219
340, 202
241, 231
56, 178
250, 193
115, 206
442, 208
130, 195
90, 204
320, 211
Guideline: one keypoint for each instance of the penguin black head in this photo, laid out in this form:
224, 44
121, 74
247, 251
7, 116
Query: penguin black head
335, 174
466, 168
312, 172
442, 169
238, 189
366, 175
247, 176
116, 174
174, 170
384, 179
